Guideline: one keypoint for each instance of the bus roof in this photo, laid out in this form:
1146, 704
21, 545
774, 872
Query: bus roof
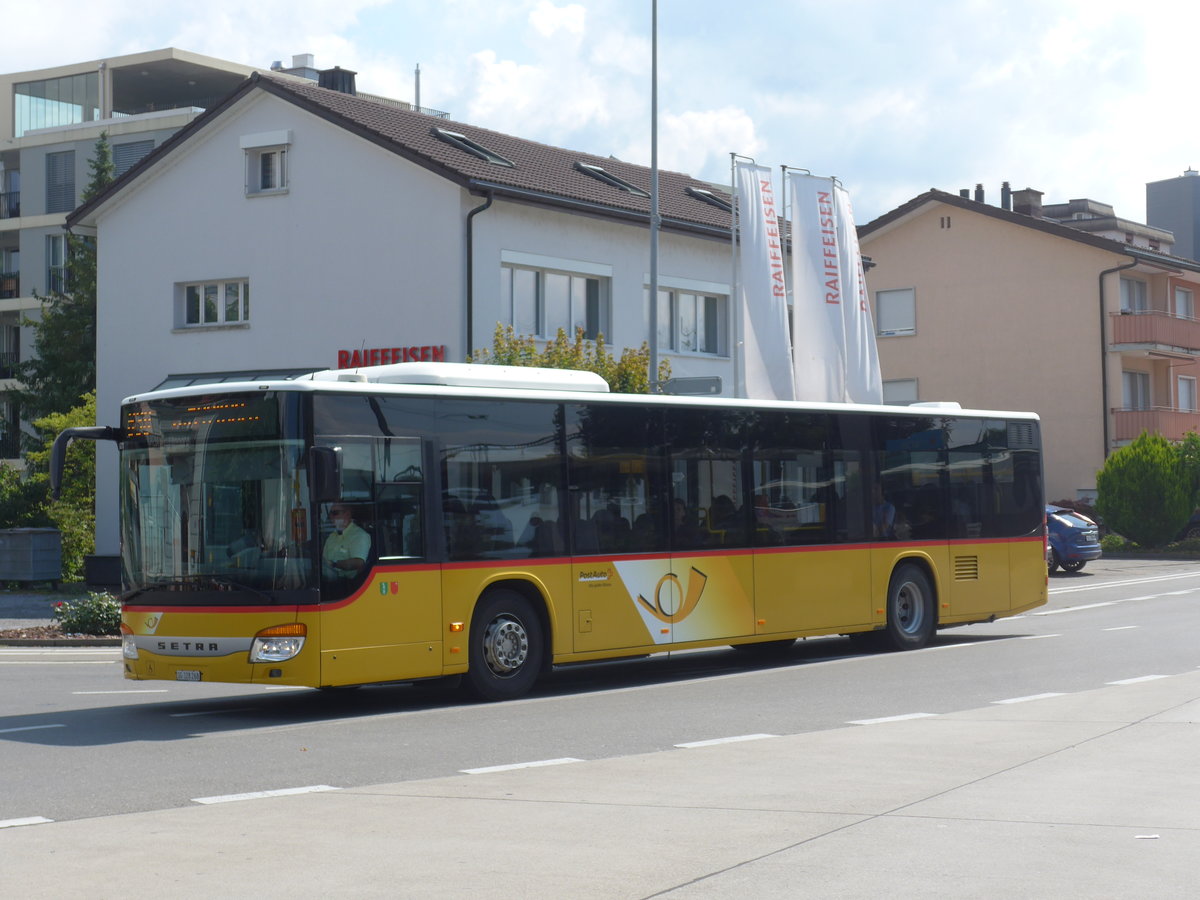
520, 382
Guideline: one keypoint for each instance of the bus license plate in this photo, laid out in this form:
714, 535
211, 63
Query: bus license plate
187, 675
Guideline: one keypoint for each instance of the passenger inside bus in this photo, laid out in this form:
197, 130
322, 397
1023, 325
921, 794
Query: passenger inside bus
347, 549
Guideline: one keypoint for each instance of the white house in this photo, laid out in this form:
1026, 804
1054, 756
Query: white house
293, 227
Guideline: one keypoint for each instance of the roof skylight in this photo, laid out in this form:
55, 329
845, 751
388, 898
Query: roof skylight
609, 178
464, 143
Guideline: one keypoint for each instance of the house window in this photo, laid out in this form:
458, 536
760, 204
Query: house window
1135, 389
693, 322
56, 263
900, 392
895, 312
215, 303
539, 302
60, 181
267, 171
266, 161
1185, 303
1133, 296
1185, 393
128, 155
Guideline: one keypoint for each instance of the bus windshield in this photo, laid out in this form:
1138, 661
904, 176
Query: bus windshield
214, 495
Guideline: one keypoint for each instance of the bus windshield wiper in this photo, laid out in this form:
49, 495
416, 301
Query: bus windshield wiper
173, 584
237, 585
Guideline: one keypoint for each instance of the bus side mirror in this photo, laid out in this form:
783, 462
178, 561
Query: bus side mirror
58, 451
326, 481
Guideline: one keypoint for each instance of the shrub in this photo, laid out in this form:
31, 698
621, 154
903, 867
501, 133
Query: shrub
100, 613
1142, 492
1111, 543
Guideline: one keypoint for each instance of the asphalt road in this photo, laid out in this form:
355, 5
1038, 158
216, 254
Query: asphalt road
79, 741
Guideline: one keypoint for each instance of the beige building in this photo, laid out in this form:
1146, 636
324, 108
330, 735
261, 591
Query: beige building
1013, 308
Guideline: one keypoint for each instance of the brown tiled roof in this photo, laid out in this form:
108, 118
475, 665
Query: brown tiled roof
540, 173
1046, 226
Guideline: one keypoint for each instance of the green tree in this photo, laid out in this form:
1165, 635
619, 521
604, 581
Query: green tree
1189, 460
1142, 491
74, 513
629, 374
63, 365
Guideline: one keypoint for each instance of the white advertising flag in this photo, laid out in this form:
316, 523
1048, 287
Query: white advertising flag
765, 360
818, 291
864, 384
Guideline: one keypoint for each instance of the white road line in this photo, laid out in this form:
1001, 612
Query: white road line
257, 795
725, 740
1109, 584
891, 719
1067, 609
1038, 637
29, 728
1122, 627
525, 765
1138, 679
1030, 697
206, 712
155, 691
30, 820
55, 662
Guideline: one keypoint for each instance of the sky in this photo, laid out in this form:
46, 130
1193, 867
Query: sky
1075, 98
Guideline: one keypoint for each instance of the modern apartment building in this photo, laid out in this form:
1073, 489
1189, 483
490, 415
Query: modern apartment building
50, 120
1174, 204
1063, 309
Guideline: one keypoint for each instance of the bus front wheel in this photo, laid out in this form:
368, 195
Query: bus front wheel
506, 649
911, 610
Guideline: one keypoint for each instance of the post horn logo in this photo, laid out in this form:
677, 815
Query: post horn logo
691, 597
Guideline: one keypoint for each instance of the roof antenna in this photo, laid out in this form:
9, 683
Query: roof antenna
417, 95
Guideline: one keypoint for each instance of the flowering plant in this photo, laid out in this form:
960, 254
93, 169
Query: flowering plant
100, 613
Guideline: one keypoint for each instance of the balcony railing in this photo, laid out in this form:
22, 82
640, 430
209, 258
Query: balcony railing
10, 285
1158, 328
10, 205
8, 363
1172, 424
10, 443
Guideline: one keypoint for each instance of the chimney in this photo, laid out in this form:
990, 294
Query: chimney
979, 193
1028, 202
303, 61
338, 79
965, 193
1005, 196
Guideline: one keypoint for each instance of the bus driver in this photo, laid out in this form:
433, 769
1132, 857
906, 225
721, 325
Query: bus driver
346, 550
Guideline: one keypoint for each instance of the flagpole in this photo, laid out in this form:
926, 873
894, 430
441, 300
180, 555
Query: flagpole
735, 285
654, 196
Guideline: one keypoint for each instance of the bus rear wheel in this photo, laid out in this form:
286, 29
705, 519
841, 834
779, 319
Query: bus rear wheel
911, 611
506, 648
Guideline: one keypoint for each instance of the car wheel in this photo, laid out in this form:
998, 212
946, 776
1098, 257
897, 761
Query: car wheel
506, 648
1192, 532
911, 610
1051, 562
1073, 565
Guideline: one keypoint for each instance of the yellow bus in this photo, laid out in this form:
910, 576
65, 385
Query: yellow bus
419, 520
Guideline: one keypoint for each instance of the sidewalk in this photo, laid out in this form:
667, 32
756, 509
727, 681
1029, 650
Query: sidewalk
1093, 794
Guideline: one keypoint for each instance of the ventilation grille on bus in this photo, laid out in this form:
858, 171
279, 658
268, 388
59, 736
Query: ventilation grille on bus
966, 568
1021, 435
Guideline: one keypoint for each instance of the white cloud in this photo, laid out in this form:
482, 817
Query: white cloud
548, 19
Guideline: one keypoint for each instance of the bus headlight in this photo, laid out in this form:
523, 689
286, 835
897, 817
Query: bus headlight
128, 647
278, 644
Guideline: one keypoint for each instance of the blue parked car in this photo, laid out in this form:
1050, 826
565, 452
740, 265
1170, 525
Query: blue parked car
1074, 539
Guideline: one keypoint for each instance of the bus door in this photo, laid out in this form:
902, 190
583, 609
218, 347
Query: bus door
710, 592
617, 527
812, 565
381, 598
